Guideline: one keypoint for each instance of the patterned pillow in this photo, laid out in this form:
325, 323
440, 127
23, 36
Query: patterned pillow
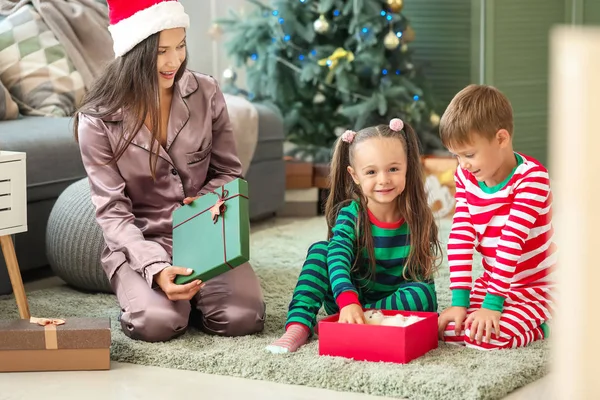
8, 107
35, 68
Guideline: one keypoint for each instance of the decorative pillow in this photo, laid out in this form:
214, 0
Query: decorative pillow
8, 108
35, 68
244, 124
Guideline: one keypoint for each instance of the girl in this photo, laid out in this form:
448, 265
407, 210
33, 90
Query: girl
382, 238
153, 136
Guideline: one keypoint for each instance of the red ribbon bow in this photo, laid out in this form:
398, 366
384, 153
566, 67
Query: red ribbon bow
219, 208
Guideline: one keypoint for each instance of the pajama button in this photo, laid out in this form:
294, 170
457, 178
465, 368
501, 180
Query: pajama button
174, 171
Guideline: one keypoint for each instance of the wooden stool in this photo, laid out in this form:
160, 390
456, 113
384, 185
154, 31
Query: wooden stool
13, 219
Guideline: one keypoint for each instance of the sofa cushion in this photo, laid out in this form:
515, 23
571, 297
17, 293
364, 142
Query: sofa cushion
53, 160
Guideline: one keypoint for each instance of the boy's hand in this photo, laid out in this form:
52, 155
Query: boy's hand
352, 314
482, 321
451, 314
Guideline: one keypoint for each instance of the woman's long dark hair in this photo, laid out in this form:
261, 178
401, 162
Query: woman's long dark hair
425, 248
130, 83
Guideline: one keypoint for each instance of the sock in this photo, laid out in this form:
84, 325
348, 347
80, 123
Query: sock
295, 336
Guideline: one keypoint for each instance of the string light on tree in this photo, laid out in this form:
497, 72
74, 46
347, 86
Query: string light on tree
304, 63
435, 119
321, 25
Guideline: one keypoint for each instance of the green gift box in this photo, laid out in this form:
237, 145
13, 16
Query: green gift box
212, 234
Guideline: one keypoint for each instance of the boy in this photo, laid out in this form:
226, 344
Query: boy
503, 209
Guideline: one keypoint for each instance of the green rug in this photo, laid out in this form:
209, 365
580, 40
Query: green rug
278, 251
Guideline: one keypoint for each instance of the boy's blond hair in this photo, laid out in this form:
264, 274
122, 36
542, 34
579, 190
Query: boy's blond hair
477, 109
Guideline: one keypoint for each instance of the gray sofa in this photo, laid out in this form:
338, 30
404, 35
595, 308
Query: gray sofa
54, 162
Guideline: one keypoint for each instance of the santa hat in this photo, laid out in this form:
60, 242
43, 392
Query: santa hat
132, 21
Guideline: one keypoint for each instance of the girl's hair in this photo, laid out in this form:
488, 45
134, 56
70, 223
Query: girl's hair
425, 247
130, 83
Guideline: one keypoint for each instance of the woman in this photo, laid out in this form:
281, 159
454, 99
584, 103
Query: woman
153, 136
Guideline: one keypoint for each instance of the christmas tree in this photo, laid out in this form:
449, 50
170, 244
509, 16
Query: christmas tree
331, 65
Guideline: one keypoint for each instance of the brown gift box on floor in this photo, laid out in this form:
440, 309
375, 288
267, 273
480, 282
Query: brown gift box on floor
42, 344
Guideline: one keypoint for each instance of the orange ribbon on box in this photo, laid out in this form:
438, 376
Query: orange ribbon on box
49, 325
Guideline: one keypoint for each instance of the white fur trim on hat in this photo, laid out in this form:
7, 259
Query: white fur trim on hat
129, 32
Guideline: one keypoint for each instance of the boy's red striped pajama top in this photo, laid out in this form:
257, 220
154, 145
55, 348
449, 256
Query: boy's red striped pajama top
510, 224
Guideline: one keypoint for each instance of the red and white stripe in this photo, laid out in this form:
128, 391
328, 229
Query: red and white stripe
519, 324
524, 311
511, 229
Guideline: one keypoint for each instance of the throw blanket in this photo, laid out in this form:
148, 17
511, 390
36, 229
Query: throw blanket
244, 122
81, 26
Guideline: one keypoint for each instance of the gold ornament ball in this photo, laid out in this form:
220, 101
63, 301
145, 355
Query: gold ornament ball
408, 35
229, 76
391, 41
435, 119
321, 25
215, 32
319, 98
395, 5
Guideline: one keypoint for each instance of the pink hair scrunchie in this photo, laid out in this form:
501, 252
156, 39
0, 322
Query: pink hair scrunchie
348, 136
396, 124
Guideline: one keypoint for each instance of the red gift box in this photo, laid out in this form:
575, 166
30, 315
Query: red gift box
379, 343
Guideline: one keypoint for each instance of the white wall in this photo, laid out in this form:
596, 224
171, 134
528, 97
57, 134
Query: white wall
206, 55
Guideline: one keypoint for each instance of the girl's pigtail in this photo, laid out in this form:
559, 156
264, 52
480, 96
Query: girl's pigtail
413, 154
425, 247
340, 181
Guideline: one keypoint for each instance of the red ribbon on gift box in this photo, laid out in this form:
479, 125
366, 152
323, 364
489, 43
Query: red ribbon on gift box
219, 208
216, 210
